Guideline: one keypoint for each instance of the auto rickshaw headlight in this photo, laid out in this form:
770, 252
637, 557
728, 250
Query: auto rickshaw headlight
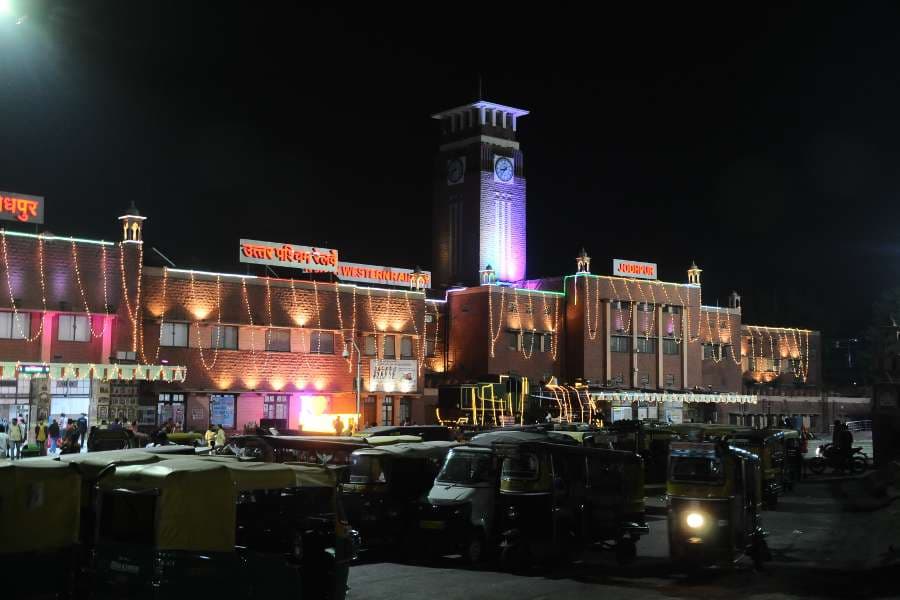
694, 520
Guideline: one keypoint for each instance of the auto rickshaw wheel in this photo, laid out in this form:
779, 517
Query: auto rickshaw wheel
817, 465
857, 465
759, 552
626, 552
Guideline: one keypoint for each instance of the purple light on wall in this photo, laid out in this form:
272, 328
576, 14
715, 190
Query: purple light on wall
670, 327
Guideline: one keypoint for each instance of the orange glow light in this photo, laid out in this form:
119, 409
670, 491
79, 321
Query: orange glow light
319, 384
277, 383
300, 383
251, 382
200, 313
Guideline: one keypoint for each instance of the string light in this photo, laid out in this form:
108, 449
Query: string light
531, 309
593, 331
374, 326
491, 335
252, 328
87, 310
318, 317
133, 315
217, 344
12, 300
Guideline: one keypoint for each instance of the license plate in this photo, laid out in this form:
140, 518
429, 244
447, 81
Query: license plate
431, 524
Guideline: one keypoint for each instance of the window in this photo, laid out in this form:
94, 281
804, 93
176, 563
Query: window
547, 342
321, 342
405, 410
429, 347
645, 345
170, 407
429, 318
387, 410
390, 347
224, 337
671, 347
279, 340
406, 348
711, 352
75, 328
513, 307
171, 334
645, 307
670, 380
673, 310
619, 343
645, 380
370, 345
15, 326
275, 406
512, 340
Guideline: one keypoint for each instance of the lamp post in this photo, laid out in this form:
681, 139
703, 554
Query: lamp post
346, 354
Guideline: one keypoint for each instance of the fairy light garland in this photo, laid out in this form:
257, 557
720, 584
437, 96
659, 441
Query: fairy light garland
12, 300
594, 331
246, 298
420, 358
318, 317
372, 321
87, 309
531, 310
217, 344
133, 315
491, 335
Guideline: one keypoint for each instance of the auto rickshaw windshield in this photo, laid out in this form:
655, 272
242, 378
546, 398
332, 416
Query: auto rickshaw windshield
699, 469
366, 469
466, 468
522, 467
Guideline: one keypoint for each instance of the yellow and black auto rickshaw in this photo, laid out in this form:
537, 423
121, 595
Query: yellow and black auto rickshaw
649, 439
714, 496
386, 486
778, 451
39, 508
526, 497
187, 526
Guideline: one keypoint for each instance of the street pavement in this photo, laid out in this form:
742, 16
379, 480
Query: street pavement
820, 549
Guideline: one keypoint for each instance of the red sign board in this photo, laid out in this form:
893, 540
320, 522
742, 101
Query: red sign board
21, 207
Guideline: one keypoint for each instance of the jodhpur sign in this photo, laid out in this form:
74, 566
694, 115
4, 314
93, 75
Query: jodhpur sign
289, 255
21, 207
631, 268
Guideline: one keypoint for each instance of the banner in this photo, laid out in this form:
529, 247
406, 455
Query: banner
287, 255
388, 375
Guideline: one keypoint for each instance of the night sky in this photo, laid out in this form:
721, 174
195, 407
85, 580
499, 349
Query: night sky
763, 145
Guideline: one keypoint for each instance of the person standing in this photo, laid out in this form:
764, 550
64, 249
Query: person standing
53, 433
4, 442
220, 437
210, 436
40, 436
338, 425
16, 438
82, 429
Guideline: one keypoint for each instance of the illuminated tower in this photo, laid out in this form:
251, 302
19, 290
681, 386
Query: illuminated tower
694, 274
479, 195
132, 225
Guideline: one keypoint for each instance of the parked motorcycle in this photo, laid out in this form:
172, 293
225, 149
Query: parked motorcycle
828, 457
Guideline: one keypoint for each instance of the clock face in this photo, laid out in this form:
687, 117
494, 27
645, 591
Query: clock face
503, 169
455, 170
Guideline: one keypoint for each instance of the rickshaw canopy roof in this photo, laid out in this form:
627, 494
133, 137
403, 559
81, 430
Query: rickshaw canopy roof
387, 440
434, 450
40, 504
507, 437
90, 464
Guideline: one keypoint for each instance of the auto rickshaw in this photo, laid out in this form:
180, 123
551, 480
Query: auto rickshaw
649, 439
100, 440
526, 497
39, 507
185, 526
778, 461
714, 497
91, 467
428, 433
385, 487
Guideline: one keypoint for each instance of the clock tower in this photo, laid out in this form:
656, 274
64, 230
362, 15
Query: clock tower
479, 195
